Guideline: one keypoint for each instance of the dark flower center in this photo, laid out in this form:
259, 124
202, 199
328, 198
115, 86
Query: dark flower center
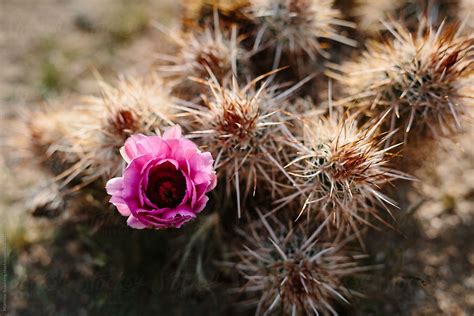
166, 186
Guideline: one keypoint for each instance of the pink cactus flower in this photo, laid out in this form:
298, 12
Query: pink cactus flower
165, 181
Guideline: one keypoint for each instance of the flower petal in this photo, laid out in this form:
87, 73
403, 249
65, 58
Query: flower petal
120, 204
201, 177
173, 132
131, 181
145, 177
135, 223
155, 146
114, 186
183, 211
201, 204
130, 151
213, 183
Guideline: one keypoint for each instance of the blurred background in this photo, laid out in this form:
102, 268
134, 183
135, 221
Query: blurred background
51, 50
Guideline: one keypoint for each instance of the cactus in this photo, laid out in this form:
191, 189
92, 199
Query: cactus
239, 181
